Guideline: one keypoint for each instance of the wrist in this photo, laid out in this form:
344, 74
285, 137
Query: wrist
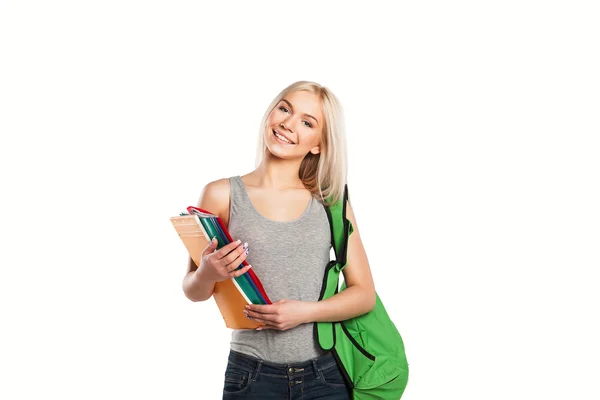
203, 275
312, 314
199, 286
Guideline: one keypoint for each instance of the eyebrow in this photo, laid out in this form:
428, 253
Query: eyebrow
292, 107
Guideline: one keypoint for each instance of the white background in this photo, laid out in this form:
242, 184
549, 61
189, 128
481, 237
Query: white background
474, 173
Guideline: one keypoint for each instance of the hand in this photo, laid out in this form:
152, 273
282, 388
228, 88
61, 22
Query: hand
221, 264
281, 315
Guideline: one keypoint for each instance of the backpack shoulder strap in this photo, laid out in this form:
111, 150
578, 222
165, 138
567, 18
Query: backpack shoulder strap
340, 228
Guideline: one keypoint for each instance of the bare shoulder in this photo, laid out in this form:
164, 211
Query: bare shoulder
214, 197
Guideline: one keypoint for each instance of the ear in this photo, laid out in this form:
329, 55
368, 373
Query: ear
315, 150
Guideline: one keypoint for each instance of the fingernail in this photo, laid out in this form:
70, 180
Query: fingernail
238, 241
249, 266
245, 245
247, 251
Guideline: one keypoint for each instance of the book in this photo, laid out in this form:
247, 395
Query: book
196, 228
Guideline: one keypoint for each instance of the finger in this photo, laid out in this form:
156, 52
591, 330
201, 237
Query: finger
223, 251
260, 328
272, 319
235, 264
235, 274
235, 258
212, 245
259, 320
272, 326
262, 309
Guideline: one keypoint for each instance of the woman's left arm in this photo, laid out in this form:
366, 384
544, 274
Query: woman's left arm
359, 296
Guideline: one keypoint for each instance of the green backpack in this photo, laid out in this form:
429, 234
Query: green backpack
368, 349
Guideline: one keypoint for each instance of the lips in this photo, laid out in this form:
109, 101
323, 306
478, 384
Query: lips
285, 136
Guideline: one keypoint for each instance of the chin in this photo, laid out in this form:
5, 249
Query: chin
278, 153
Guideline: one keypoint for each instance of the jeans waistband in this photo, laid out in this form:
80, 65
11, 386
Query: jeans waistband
256, 365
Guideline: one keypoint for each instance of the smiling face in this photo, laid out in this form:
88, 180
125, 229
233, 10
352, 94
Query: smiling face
294, 126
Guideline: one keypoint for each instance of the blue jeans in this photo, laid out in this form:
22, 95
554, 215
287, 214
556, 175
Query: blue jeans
247, 377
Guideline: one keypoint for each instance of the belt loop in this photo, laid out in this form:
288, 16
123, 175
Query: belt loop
315, 368
256, 370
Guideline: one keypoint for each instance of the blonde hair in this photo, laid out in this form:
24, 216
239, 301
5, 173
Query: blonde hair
324, 174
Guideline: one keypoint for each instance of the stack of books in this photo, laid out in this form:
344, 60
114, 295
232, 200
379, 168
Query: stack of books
196, 228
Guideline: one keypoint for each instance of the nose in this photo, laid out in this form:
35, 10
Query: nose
285, 124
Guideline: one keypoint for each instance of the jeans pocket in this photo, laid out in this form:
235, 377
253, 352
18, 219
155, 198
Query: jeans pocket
237, 379
332, 376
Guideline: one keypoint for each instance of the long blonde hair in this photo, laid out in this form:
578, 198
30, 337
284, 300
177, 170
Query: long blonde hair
324, 174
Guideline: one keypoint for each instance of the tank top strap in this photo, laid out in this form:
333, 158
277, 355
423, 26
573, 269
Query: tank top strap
239, 201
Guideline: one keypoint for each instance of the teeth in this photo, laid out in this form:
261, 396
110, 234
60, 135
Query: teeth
282, 138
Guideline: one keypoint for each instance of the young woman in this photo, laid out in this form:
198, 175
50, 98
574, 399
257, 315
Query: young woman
277, 212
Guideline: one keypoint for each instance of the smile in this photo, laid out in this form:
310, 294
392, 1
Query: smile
281, 137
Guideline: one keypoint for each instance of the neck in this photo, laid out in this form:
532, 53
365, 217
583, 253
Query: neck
277, 173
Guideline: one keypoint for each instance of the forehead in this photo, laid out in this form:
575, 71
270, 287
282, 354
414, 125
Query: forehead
305, 102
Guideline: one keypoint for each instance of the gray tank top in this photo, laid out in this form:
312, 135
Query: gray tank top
289, 258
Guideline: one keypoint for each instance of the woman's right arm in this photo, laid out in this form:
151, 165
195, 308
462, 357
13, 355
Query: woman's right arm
197, 286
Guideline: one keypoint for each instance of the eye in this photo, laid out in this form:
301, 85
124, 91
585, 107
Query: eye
284, 109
